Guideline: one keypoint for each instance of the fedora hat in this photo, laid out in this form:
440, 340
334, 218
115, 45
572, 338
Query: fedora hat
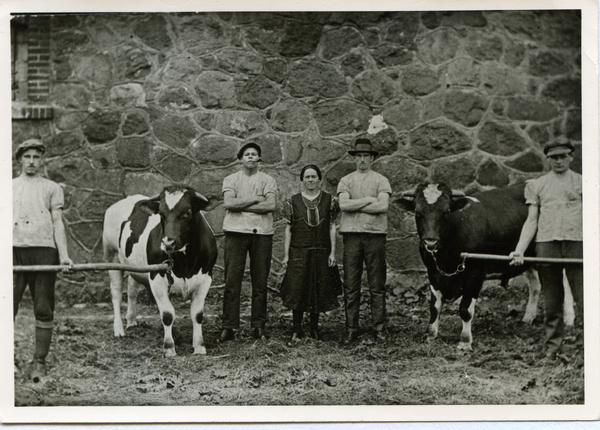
363, 145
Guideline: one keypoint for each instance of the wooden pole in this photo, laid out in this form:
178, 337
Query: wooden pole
528, 259
92, 266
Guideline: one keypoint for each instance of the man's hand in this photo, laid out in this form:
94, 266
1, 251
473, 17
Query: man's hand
66, 261
517, 258
331, 260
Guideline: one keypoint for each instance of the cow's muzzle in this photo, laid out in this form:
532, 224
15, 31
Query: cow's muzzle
431, 245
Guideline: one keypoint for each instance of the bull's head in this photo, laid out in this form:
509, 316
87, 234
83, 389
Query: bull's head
177, 207
432, 204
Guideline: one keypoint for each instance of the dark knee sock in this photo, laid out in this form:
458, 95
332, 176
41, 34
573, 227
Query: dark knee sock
314, 321
43, 338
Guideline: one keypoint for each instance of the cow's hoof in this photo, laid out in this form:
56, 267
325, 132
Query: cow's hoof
120, 333
170, 352
133, 324
528, 320
463, 346
430, 339
201, 350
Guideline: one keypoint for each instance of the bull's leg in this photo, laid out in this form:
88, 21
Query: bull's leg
435, 309
467, 312
160, 290
116, 291
534, 295
197, 313
132, 292
568, 310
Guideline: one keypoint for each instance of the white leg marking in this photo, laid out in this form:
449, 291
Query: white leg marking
432, 328
534, 295
133, 288
116, 291
196, 309
466, 338
568, 306
160, 290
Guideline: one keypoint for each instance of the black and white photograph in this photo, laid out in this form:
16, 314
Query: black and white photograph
385, 215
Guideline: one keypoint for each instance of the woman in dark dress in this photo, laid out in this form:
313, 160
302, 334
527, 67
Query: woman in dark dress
312, 281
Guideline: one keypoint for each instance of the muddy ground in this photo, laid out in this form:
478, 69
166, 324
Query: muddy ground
88, 366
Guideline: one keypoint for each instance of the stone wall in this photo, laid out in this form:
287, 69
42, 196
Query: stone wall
143, 100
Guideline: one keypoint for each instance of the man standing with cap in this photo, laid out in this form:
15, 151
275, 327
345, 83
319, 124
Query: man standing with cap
249, 198
555, 220
364, 198
38, 239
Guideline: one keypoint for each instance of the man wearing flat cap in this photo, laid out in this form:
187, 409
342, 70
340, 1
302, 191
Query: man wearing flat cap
555, 220
363, 199
249, 200
38, 239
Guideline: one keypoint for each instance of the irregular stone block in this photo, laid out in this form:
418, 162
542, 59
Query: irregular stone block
341, 117
353, 64
67, 120
464, 107
402, 173
214, 149
110, 180
437, 140
128, 95
431, 19
146, 184
385, 141
299, 40
62, 68
209, 182
500, 139
87, 233
390, 55
202, 34
522, 23
153, 32
135, 123
464, 18
63, 143
175, 131
562, 28
539, 133
403, 254
270, 145
265, 41
134, 152
373, 87
292, 149
433, 106
573, 127
514, 53
260, 93
340, 41
175, 167
132, 62
101, 126
547, 63
419, 80
531, 109
205, 119
68, 41
275, 69
96, 69
322, 151
71, 96
565, 90
332, 177
182, 68
216, 90
403, 115
528, 162
241, 124
484, 47
464, 72
438, 47
490, 173
175, 99
315, 79
103, 157
291, 116
403, 29
457, 173
95, 205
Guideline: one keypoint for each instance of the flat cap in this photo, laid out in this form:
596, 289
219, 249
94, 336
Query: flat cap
240, 153
30, 144
559, 146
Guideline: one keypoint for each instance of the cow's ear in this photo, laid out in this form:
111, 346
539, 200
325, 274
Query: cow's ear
406, 203
199, 202
150, 206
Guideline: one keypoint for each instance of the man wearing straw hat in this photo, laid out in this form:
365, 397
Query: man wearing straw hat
364, 198
38, 239
555, 220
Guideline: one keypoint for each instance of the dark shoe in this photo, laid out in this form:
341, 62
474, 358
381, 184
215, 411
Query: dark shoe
259, 333
39, 371
379, 336
350, 338
314, 334
226, 334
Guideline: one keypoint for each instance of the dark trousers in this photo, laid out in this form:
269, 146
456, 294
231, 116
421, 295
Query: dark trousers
370, 248
41, 284
259, 247
551, 278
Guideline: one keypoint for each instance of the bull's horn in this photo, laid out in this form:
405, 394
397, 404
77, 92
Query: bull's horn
201, 197
408, 193
456, 193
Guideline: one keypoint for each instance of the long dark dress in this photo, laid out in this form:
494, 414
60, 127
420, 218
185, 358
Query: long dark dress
310, 285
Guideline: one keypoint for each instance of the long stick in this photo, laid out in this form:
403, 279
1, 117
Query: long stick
529, 259
92, 266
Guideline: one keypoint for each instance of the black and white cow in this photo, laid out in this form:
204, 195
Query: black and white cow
141, 231
450, 223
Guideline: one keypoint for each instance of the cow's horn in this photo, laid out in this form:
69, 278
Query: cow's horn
456, 193
409, 193
201, 197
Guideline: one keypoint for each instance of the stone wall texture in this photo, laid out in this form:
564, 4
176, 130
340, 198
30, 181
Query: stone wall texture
144, 100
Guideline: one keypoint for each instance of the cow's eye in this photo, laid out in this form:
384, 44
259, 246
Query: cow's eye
187, 214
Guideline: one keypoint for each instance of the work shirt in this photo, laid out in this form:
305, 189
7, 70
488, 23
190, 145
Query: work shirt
244, 186
359, 185
33, 202
559, 198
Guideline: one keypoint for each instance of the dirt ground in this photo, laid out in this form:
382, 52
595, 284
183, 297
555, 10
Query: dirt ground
88, 366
